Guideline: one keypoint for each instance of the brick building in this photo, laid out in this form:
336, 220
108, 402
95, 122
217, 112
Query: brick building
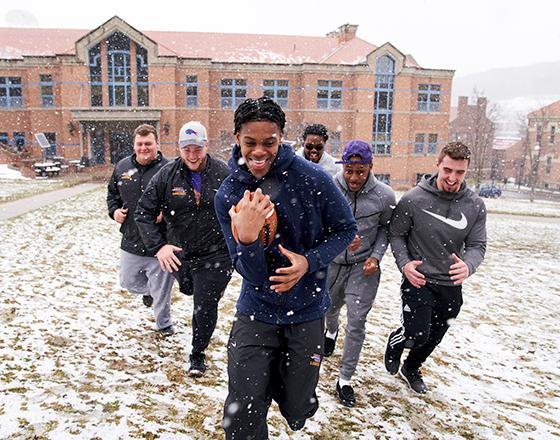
87, 90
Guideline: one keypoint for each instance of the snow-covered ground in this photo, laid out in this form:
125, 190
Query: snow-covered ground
79, 358
14, 186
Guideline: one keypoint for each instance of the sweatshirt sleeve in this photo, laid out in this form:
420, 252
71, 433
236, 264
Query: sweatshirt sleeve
400, 226
339, 225
148, 208
382, 237
248, 260
475, 243
114, 200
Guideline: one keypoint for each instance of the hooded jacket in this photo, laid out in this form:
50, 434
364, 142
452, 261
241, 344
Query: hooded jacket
191, 226
127, 183
372, 208
430, 225
327, 162
314, 220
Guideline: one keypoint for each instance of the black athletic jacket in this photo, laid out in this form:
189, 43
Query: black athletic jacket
128, 181
192, 227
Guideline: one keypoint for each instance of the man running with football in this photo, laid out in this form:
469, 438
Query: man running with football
276, 343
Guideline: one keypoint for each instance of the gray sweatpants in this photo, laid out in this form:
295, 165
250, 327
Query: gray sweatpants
348, 285
143, 275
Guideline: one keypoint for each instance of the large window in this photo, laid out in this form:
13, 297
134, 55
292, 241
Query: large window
383, 105
19, 140
118, 70
329, 94
276, 89
191, 86
51, 137
233, 92
11, 93
95, 79
47, 90
142, 87
4, 139
552, 134
428, 97
548, 167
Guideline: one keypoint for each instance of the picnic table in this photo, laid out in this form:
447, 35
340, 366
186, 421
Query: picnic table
47, 169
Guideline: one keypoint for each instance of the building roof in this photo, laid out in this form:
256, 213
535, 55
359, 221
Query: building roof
218, 47
505, 143
548, 110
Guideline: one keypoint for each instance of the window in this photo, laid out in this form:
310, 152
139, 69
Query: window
118, 70
4, 139
539, 134
385, 178
432, 143
11, 93
276, 89
51, 137
420, 140
47, 90
419, 144
19, 140
95, 80
383, 105
334, 142
428, 97
233, 92
191, 85
552, 134
329, 94
142, 85
548, 167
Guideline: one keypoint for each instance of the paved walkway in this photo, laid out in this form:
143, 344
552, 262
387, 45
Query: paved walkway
27, 204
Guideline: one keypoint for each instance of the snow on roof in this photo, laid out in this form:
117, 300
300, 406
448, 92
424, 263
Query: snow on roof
548, 110
219, 47
505, 143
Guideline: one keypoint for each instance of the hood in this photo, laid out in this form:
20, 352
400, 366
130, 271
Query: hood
428, 183
283, 160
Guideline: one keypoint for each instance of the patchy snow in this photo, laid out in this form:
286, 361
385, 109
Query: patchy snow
79, 358
10, 173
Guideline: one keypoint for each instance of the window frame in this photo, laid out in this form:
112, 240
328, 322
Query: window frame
326, 88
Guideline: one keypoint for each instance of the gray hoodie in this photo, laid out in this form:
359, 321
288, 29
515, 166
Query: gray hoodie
372, 207
430, 225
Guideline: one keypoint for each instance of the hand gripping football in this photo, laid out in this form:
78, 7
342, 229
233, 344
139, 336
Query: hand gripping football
267, 232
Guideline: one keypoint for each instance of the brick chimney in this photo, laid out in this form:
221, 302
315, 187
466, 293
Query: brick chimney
463, 104
344, 33
481, 104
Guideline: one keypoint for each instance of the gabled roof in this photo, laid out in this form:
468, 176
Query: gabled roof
548, 110
218, 47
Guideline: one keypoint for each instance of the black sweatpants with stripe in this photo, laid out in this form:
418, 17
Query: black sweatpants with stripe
426, 312
265, 362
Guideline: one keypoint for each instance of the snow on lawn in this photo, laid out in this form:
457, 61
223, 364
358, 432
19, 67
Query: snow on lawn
79, 358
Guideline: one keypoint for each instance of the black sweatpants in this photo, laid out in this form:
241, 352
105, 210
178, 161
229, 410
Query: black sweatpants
209, 280
265, 362
425, 317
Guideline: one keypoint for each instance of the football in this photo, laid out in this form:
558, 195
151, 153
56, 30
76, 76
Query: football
267, 232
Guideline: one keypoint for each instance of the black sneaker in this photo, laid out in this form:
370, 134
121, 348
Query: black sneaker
198, 364
414, 380
330, 344
147, 300
346, 395
392, 356
167, 331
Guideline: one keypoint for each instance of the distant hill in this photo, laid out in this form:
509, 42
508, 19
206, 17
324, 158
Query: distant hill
517, 90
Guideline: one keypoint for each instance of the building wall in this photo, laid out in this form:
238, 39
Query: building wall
168, 100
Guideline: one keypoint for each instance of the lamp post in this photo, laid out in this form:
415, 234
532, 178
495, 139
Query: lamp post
535, 169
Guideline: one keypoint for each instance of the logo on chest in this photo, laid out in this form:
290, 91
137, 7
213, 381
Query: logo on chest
457, 224
179, 191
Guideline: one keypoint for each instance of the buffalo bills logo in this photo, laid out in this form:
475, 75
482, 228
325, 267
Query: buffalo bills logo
191, 131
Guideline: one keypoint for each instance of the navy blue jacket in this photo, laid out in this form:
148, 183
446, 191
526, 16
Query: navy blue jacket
314, 220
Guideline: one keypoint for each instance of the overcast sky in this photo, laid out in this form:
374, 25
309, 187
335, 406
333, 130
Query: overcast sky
468, 36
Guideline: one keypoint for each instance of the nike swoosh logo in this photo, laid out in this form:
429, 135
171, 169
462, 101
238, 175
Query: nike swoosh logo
457, 224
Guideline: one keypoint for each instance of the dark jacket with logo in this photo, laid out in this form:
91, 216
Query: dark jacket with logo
430, 225
314, 220
190, 226
128, 182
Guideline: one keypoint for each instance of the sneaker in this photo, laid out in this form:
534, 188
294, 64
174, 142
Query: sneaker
147, 300
330, 344
198, 364
167, 331
392, 356
346, 395
414, 380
